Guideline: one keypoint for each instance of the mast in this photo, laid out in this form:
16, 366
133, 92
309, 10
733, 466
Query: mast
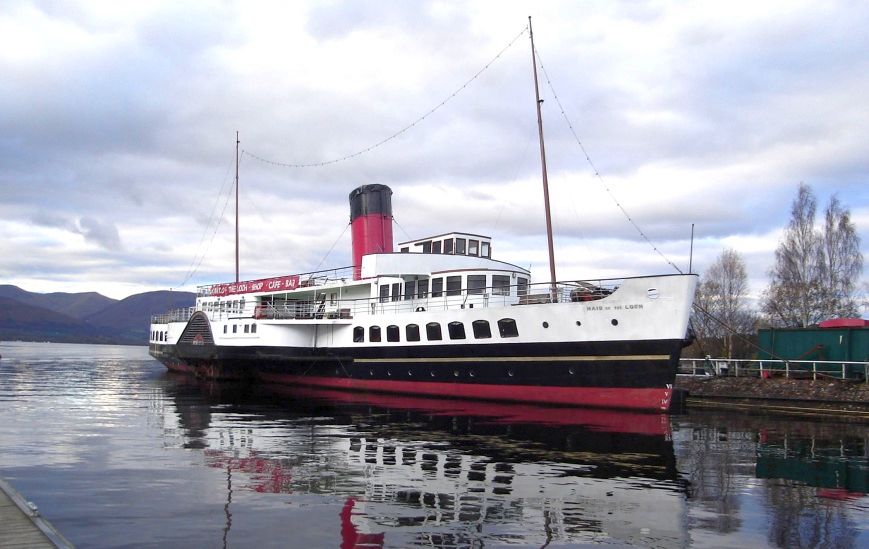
236, 206
552, 289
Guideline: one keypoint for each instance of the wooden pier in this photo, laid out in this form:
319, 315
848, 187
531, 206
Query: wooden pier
21, 524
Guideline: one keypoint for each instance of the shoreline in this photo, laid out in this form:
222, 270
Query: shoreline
778, 395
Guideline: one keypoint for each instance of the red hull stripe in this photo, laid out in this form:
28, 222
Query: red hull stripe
657, 399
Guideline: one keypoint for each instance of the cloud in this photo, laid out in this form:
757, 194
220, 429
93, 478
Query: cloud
103, 234
121, 120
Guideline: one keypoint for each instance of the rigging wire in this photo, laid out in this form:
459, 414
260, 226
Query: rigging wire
394, 220
320, 264
399, 132
732, 330
213, 234
597, 172
211, 219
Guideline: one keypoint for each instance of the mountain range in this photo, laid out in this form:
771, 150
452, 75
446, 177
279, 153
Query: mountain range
86, 317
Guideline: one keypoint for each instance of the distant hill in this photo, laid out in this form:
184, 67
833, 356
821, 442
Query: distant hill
86, 317
20, 321
129, 318
77, 305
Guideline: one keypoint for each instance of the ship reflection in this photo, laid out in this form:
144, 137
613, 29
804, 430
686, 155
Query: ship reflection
426, 472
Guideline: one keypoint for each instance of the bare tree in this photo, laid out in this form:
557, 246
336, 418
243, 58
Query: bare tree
815, 271
842, 262
721, 298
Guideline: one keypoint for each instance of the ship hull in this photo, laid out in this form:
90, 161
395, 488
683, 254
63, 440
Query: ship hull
615, 374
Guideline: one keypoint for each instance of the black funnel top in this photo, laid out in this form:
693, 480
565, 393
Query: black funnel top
370, 199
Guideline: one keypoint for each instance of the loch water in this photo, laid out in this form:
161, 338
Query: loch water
117, 452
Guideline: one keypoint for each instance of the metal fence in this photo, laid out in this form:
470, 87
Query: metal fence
800, 369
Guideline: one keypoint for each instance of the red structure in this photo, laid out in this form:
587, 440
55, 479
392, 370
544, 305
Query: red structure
844, 323
370, 223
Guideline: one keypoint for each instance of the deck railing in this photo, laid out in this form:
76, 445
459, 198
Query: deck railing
312, 309
174, 315
802, 369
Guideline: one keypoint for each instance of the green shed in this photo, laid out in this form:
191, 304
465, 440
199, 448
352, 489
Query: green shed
833, 340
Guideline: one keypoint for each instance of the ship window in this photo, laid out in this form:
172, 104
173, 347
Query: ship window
253, 328
426, 247
422, 288
481, 329
437, 287
454, 285
473, 247
247, 328
507, 328
358, 334
392, 333
333, 298
485, 250
500, 285
522, 286
448, 246
235, 328
476, 284
409, 289
456, 329
384, 293
396, 291
436, 247
433, 331
224, 328
374, 334
405, 250
412, 332
460, 246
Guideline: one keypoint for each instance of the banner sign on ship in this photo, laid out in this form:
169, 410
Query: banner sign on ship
262, 285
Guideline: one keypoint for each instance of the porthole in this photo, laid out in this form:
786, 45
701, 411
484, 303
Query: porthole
472, 373
578, 323
614, 322
409, 373
432, 374
455, 373
571, 371
545, 324
389, 373
371, 372
510, 373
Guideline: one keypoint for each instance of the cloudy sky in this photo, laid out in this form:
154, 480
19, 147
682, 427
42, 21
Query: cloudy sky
118, 126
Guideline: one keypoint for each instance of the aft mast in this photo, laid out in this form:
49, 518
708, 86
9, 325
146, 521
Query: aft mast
552, 289
236, 206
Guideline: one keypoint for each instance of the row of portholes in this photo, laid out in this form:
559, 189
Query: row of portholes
455, 373
158, 336
433, 331
248, 328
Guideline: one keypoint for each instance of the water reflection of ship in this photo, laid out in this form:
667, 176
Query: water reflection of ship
439, 471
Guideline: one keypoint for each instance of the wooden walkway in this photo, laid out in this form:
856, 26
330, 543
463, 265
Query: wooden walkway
22, 526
